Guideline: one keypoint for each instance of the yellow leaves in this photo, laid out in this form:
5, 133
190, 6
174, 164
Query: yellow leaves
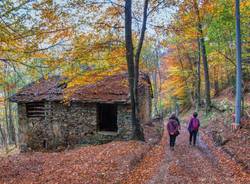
40, 55
180, 92
86, 78
49, 15
190, 33
216, 59
46, 77
28, 36
1, 79
114, 11
47, 9
1, 99
176, 74
92, 57
245, 10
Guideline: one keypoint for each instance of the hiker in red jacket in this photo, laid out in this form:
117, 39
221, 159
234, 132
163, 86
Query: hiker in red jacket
173, 130
193, 128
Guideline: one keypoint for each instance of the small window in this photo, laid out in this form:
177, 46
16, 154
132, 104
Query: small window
35, 109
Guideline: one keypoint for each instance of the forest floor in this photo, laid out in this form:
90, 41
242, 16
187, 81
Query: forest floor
203, 163
12, 149
106, 163
130, 162
220, 157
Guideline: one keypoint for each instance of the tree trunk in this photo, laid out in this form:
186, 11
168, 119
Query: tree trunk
137, 131
238, 97
198, 81
206, 71
159, 91
11, 128
137, 61
4, 138
8, 110
204, 58
154, 77
216, 82
6, 117
158, 82
185, 78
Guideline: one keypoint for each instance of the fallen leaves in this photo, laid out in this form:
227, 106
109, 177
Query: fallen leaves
128, 162
109, 163
237, 145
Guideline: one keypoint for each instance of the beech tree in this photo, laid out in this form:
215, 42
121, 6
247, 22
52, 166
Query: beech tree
239, 65
28, 30
204, 56
133, 63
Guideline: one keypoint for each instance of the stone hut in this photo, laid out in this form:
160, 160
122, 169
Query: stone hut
96, 113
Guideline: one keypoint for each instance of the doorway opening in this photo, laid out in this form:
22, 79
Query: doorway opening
107, 117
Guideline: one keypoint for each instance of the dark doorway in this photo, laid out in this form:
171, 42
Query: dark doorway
107, 117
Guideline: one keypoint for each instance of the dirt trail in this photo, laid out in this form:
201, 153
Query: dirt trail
188, 164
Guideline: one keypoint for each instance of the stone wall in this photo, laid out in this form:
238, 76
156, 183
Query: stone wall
72, 123
124, 121
145, 103
66, 125
23, 126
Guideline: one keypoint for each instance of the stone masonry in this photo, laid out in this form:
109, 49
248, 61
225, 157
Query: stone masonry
69, 125
95, 113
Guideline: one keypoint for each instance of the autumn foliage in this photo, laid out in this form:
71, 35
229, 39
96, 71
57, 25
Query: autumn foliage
185, 79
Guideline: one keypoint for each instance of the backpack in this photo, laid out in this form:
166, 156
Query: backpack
195, 124
176, 130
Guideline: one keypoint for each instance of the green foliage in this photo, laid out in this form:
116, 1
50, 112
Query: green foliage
218, 24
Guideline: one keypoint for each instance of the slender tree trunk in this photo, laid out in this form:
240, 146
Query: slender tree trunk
239, 67
137, 58
4, 138
185, 78
6, 117
8, 110
154, 77
159, 92
137, 131
204, 58
206, 72
198, 81
133, 64
157, 83
216, 81
11, 128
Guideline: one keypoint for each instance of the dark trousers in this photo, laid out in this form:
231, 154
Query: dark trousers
172, 139
193, 135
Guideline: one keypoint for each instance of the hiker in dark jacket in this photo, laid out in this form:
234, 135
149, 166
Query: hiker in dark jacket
193, 128
173, 130
178, 121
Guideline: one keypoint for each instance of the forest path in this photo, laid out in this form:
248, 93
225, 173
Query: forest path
189, 164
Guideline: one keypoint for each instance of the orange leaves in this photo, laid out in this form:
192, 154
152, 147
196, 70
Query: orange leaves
40, 55
31, 30
92, 57
177, 74
114, 11
108, 163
